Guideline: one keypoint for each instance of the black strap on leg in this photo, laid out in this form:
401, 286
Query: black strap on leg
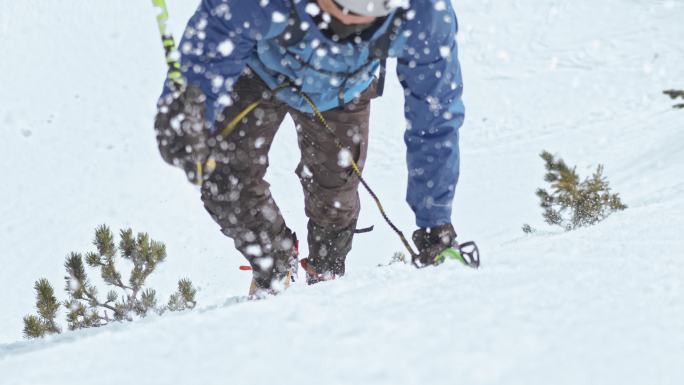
364, 230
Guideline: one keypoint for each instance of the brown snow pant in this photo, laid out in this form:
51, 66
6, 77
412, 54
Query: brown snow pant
238, 197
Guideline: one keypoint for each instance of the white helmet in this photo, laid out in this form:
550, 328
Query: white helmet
372, 7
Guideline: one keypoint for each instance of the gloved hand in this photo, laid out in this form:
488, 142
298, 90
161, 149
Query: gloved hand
431, 242
182, 133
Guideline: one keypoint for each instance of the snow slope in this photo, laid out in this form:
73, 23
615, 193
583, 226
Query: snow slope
603, 305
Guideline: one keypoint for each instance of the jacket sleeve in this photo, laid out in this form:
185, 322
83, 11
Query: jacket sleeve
430, 73
218, 40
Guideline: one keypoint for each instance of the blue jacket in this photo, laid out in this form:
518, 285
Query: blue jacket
225, 36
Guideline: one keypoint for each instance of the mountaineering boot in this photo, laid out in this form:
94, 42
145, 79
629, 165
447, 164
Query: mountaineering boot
431, 242
328, 249
437, 244
273, 273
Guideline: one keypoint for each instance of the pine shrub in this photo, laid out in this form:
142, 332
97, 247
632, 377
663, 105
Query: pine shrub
572, 203
126, 299
47, 306
674, 94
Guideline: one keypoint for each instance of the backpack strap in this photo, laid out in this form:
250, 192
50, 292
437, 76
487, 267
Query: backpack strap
380, 48
293, 32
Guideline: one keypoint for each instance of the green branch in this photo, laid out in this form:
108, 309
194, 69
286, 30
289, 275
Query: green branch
675, 94
571, 202
84, 309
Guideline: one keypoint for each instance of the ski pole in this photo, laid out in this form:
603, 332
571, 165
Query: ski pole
177, 81
172, 56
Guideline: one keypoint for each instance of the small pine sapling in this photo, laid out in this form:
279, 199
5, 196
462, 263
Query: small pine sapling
44, 323
183, 298
674, 94
126, 300
572, 203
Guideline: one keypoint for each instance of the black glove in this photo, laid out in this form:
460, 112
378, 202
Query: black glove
182, 133
431, 242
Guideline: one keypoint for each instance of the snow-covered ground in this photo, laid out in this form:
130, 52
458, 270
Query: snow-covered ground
602, 305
